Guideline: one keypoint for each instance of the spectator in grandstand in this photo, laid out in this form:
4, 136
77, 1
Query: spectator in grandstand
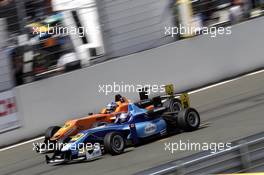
208, 7
17, 60
236, 12
247, 7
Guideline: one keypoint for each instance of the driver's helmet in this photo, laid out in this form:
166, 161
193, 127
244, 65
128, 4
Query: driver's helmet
111, 107
123, 117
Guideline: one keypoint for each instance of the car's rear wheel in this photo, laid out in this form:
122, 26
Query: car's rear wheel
114, 143
188, 119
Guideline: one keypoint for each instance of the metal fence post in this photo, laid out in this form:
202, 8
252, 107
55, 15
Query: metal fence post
180, 169
244, 154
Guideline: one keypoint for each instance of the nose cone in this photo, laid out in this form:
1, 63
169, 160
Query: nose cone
61, 133
57, 136
69, 129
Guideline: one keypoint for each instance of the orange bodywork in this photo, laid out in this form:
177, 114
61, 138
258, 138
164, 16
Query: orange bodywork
72, 127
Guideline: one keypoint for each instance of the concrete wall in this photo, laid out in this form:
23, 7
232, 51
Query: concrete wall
187, 64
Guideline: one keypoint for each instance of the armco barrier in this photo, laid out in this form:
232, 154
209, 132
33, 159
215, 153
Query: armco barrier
187, 64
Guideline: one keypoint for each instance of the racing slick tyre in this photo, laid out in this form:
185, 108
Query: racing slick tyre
173, 105
48, 134
114, 143
188, 119
51, 131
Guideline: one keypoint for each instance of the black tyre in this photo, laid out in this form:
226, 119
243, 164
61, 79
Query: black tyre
114, 143
171, 120
51, 131
188, 119
173, 105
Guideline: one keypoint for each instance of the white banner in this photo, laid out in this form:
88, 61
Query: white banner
8, 111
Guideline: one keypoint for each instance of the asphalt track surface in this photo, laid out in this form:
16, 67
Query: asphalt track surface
229, 122
164, 168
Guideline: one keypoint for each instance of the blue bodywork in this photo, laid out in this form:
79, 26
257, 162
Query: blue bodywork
138, 126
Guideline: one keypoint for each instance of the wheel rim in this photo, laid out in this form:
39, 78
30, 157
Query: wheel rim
118, 143
193, 119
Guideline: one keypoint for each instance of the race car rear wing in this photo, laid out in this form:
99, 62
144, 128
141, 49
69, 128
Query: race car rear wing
158, 100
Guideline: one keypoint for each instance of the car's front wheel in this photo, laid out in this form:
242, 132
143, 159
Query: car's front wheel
114, 143
51, 131
48, 134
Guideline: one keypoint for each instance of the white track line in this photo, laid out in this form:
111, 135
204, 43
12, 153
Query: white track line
192, 92
20, 144
225, 82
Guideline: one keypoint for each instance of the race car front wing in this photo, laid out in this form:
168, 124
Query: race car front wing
64, 157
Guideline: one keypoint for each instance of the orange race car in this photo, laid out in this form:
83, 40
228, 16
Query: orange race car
55, 134
72, 127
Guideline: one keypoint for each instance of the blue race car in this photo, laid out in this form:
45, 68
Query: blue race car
128, 130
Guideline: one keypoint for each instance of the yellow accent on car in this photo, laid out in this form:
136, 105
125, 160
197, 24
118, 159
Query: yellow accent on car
78, 136
169, 89
185, 100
